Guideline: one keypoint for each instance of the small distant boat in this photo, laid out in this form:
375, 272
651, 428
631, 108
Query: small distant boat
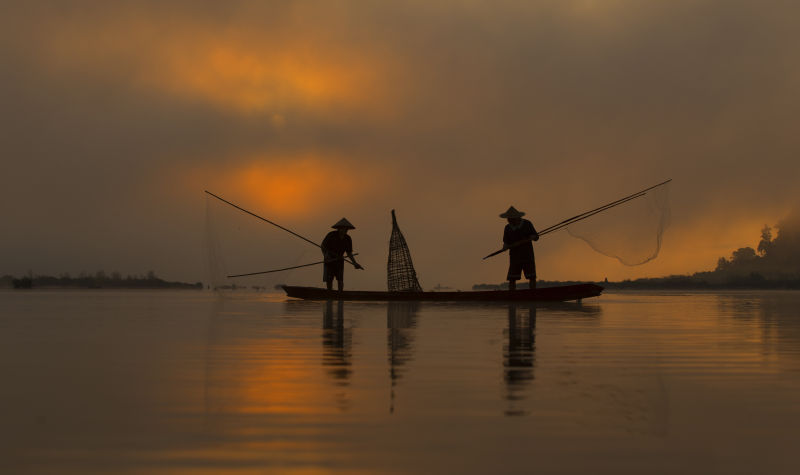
547, 294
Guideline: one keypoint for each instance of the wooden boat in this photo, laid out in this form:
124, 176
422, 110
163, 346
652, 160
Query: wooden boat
547, 294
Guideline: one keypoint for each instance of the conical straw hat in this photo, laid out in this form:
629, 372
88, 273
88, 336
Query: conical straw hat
343, 223
512, 213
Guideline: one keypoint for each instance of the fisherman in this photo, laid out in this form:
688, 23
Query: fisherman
334, 246
517, 238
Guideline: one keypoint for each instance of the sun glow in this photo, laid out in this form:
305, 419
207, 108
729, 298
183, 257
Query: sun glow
288, 186
292, 187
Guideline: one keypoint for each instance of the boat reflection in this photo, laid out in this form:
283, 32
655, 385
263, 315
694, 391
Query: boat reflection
401, 320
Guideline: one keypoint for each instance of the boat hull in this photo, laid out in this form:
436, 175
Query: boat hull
548, 294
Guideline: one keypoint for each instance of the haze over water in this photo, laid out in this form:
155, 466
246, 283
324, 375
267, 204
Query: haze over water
176, 382
117, 115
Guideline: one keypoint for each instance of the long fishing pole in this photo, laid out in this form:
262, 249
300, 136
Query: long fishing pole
268, 221
285, 268
263, 219
584, 215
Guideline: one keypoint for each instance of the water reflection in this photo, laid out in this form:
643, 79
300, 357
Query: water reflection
562, 369
519, 354
147, 383
605, 373
211, 403
772, 315
337, 346
401, 319
337, 343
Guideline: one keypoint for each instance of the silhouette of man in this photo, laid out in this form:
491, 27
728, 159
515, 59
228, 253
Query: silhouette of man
517, 238
334, 246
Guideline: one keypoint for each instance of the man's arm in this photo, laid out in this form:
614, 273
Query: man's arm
349, 251
324, 247
353, 260
534, 234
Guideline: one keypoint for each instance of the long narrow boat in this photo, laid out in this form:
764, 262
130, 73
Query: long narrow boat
547, 294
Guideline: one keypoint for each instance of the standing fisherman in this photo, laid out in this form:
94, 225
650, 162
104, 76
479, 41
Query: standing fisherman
517, 238
334, 246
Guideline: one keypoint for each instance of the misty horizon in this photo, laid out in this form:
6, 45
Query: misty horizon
749, 262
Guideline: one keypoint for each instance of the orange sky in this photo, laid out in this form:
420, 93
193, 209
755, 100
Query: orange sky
119, 115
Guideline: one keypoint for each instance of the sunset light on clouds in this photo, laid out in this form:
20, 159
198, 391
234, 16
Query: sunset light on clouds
250, 72
289, 186
448, 111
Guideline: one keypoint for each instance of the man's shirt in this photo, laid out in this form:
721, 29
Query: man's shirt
335, 245
513, 234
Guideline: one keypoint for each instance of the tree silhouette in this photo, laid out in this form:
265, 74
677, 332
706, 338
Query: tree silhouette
766, 241
743, 255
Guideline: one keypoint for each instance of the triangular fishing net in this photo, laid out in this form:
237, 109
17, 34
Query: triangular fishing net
631, 232
401, 275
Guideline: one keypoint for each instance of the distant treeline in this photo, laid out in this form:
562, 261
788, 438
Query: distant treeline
100, 280
698, 281
774, 264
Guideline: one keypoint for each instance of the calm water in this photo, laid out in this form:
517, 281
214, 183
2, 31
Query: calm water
177, 382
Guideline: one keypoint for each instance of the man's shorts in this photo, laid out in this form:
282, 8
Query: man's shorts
517, 266
331, 270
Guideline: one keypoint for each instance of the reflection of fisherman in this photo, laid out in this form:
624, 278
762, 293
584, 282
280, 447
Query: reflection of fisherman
334, 246
517, 238
337, 342
519, 355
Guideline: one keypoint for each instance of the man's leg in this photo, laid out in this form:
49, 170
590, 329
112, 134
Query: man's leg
339, 275
514, 273
529, 267
327, 276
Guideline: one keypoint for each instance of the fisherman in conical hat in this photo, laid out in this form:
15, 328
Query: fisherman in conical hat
334, 246
517, 238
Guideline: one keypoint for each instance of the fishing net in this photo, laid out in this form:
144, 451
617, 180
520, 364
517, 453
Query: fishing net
630, 232
238, 243
215, 265
401, 275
